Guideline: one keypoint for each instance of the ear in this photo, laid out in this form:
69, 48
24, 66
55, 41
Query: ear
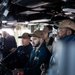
69, 32
41, 40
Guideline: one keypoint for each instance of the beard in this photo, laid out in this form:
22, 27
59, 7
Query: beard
37, 44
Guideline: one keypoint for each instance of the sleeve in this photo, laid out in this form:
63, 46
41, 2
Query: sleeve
14, 42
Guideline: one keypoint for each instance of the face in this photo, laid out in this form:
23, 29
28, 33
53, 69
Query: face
0, 36
45, 35
25, 42
5, 34
35, 41
62, 32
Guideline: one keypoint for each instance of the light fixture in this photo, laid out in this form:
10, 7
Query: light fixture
5, 12
4, 21
68, 10
71, 17
68, 13
10, 23
32, 24
29, 12
38, 5
64, 0
41, 20
38, 9
44, 24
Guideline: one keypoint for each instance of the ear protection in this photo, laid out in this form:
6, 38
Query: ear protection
54, 31
50, 34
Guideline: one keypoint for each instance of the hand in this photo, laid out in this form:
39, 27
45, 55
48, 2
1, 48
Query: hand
42, 67
13, 49
18, 72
